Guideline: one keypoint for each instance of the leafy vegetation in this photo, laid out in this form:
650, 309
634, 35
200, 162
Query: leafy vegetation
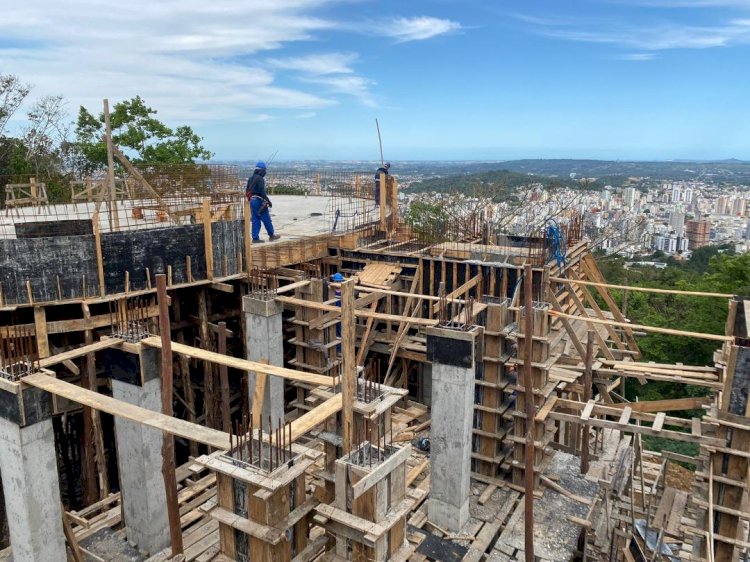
43, 145
497, 184
710, 269
136, 130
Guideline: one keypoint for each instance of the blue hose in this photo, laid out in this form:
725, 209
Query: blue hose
556, 242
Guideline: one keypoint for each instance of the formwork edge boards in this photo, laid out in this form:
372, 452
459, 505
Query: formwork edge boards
382, 471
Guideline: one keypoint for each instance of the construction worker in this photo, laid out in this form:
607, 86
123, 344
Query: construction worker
382, 170
259, 203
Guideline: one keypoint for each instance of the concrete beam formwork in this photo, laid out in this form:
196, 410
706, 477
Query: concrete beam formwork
453, 357
139, 454
32, 492
265, 341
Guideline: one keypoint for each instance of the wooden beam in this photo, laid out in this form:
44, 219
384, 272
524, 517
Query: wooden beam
208, 242
78, 352
167, 389
242, 364
358, 313
641, 289
98, 249
316, 416
132, 170
102, 403
656, 330
40, 327
675, 404
259, 395
465, 288
349, 370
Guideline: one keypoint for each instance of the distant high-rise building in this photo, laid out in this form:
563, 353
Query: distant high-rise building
628, 195
739, 206
697, 233
688, 195
676, 193
677, 221
722, 204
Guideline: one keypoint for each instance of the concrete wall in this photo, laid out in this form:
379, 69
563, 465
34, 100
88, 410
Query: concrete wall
42, 260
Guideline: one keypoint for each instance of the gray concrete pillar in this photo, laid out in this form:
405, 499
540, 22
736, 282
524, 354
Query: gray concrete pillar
136, 380
32, 491
265, 340
453, 357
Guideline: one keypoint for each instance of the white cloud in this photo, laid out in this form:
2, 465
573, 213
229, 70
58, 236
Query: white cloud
329, 63
637, 56
418, 28
355, 86
307, 115
190, 59
645, 38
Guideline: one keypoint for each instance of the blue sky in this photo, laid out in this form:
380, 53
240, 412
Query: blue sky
448, 79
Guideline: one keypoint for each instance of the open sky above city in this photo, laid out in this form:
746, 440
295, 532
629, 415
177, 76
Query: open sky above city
630, 79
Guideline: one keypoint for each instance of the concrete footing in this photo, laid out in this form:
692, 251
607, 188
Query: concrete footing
453, 357
265, 340
32, 491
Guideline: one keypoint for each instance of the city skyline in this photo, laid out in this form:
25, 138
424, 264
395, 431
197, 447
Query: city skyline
609, 79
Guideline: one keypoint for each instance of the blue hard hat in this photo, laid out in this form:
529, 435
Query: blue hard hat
261, 165
337, 277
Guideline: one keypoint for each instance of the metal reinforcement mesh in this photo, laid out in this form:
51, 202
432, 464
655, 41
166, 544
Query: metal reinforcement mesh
165, 195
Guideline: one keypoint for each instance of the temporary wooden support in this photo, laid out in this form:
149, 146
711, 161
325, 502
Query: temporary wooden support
241, 364
208, 243
349, 370
653, 329
167, 387
641, 289
156, 420
357, 313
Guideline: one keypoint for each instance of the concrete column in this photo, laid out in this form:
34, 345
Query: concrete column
136, 380
453, 357
32, 491
265, 340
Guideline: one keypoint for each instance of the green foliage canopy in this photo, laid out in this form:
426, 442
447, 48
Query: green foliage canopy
136, 129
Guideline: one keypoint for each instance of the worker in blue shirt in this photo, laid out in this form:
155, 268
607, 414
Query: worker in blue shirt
259, 203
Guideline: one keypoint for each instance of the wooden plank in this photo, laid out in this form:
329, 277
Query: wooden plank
98, 248
641, 289
653, 406
79, 352
587, 410
349, 369
656, 330
208, 238
259, 394
241, 364
40, 326
316, 416
659, 421
382, 471
625, 417
156, 420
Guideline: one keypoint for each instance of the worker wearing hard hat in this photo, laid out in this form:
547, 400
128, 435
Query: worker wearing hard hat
259, 203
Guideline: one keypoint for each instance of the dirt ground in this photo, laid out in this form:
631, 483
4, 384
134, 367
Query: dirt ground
679, 477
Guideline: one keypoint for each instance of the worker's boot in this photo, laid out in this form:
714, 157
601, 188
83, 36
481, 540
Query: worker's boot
274, 237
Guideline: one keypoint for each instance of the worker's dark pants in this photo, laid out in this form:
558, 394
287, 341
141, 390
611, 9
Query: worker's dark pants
258, 216
377, 193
